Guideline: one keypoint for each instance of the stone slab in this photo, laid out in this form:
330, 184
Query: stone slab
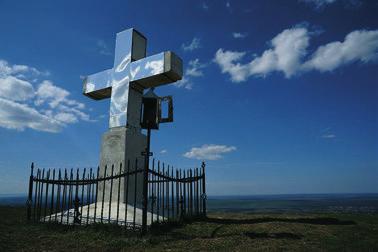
88, 211
118, 146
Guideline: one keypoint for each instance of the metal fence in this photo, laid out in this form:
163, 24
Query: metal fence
83, 197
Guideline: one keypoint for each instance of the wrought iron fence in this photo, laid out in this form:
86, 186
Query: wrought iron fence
83, 197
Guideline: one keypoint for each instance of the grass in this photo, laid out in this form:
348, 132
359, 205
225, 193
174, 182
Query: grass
219, 232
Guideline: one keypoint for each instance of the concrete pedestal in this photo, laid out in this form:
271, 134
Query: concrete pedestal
118, 146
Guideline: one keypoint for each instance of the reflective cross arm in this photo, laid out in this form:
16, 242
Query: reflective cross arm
98, 86
156, 70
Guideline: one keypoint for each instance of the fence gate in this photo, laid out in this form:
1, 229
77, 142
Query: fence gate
83, 197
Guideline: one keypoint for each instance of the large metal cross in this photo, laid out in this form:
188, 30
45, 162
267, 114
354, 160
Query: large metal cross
131, 74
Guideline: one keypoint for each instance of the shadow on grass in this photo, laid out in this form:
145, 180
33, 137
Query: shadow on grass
172, 231
170, 228
113, 230
283, 235
164, 228
314, 221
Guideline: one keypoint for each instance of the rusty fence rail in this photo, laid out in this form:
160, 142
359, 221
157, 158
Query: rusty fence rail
112, 195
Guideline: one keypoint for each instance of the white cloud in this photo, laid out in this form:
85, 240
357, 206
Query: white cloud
30, 70
226, 61
329, 136
163, 151
66, 117
184, 83
19, 116
103, 48
239, 35
15, 89
288, 50
76, 111
195, 44
209, 152
318, 3
205, 6
359, 45
321, 4
193, 70
47, 91
54, 95
46, 109
6, 70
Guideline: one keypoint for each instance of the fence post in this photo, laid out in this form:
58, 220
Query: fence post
119, 190
58, 193
126, 183
52, 195
82, 194
191, 193
145, 182
95, 210
153, 198
70, 195
40, 199
197, 194
77, 213
30, 194
203, 189
172, 194
103, 194
46, 195
135, 191
89, 196
177, 195
163, 193
111, 193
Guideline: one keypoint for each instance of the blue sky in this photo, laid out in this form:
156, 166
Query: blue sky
277, 96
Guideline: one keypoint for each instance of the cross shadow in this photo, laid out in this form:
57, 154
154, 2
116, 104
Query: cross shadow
163, 229
282, 235
314, 221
